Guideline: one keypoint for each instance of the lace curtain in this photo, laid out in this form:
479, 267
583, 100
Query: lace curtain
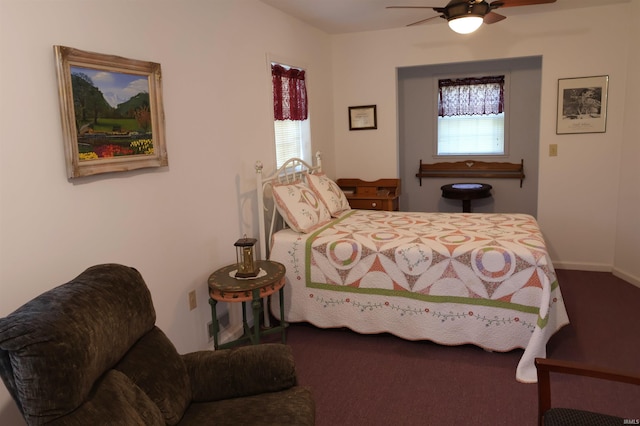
289, 93
471, 96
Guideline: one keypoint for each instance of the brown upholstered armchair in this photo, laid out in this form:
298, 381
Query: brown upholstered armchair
88, 352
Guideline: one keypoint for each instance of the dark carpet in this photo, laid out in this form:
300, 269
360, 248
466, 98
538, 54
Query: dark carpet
383, 380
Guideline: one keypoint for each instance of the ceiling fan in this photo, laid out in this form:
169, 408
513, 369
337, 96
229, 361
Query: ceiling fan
466, 16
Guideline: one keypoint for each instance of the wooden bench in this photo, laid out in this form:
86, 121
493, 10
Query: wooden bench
472, 169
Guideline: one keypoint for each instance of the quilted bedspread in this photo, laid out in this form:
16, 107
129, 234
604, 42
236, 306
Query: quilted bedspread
452, 278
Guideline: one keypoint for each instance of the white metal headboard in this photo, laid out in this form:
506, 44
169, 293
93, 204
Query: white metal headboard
291, 171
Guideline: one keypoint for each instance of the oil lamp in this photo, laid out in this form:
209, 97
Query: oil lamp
244, 258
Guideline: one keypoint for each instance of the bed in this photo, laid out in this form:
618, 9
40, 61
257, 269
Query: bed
451, 278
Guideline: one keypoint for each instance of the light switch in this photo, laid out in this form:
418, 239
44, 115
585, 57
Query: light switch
553, 150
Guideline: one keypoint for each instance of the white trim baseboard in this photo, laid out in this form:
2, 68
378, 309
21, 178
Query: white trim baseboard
598, 267
582, 266
231, 333
627, 277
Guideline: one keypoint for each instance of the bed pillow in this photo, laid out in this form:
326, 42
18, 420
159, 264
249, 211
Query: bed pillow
300, 206
329, 192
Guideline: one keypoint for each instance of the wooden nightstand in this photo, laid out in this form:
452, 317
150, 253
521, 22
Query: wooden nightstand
225, 288
382, 194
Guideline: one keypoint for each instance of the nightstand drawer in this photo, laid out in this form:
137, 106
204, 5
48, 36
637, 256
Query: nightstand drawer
381, 194
365, 204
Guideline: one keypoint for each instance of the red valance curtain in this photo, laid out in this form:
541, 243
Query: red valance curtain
471, 96
289, 93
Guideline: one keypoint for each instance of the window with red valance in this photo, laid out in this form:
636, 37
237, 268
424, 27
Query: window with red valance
289, 93
471, 116
290, 113
471, 96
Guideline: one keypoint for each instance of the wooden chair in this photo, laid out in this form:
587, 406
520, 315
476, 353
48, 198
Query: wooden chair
548, 416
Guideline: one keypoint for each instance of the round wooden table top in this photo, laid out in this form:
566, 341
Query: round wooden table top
466, 191
224, 286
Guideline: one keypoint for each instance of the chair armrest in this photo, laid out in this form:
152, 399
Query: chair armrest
237, 372
546, 366
581, 369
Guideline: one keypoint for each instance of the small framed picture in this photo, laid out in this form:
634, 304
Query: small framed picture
363, 117
112, 114
582, 105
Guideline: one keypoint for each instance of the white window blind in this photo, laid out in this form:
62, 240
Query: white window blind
471, 135
288, 140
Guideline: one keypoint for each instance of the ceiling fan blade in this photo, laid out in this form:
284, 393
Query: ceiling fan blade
512, 3
457, 2
492, 18
423, 21
411, 7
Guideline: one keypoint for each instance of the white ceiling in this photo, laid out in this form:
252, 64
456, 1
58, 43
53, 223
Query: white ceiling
348, 16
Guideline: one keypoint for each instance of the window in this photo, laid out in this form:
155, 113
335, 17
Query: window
292, 140
290, 112
471, 117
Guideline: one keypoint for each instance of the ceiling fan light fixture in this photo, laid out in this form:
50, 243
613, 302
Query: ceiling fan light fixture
465, 24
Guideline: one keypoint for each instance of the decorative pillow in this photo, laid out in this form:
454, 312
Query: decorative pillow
329, 192
300, 207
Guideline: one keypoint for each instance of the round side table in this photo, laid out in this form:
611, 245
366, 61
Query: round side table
224, 287
466, 192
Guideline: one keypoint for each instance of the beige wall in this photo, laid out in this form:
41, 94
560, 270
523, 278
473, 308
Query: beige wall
627, 247
578, 197
177, 224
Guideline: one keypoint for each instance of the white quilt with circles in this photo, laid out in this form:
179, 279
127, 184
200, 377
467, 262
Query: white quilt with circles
453, 278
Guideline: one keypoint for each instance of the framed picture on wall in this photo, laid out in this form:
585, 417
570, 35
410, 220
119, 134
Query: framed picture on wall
363, 117
582, 105
111, 110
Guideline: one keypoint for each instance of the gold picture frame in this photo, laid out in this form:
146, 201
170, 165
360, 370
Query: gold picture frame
582, 105
363, 117
112, 113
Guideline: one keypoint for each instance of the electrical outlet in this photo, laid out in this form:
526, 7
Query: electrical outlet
553, 150
193, 302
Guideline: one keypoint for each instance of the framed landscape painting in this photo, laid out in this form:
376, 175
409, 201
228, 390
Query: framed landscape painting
111, 110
